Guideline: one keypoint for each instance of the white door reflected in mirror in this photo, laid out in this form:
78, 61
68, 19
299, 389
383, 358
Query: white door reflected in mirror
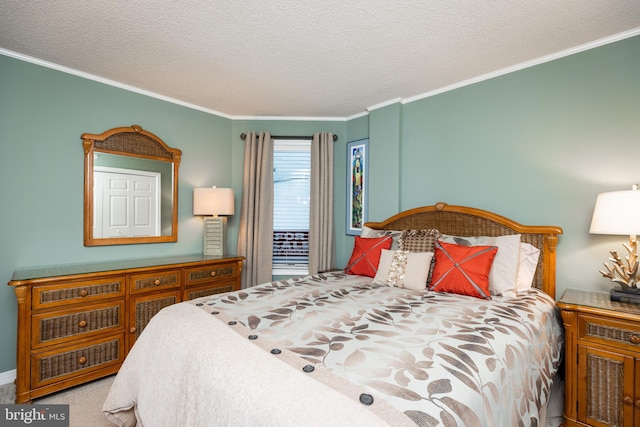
126, 203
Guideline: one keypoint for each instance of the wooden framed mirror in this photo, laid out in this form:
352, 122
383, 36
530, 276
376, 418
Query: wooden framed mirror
130, 188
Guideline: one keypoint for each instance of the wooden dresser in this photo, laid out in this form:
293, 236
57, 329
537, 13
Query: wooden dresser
602, 360
77, 323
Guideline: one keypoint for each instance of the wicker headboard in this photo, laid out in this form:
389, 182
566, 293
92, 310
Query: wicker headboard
466, 221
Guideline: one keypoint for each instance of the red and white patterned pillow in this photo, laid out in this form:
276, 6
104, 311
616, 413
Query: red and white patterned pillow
366, 255
462, 269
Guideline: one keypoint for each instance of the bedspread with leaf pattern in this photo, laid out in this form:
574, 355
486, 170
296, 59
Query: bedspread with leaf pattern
442, 359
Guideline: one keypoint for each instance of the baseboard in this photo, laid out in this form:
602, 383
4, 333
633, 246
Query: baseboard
7, 377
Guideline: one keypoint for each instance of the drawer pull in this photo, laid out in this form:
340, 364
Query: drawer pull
133, 330
156, 282
635, 339
82, 324
82, 360
84, 293
628, 400
638, 403
213, 274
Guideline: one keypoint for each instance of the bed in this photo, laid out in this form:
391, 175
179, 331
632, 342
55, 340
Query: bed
366, 347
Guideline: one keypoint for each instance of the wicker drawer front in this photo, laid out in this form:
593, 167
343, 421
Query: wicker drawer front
212, 273
62, 326
602, 394
166, 279
205, 291
60, 364
145, 307
609, 332
77, 292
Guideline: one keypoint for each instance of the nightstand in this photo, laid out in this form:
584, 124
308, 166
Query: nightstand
602, 360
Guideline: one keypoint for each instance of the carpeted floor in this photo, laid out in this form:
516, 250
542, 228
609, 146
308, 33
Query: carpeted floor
85, 403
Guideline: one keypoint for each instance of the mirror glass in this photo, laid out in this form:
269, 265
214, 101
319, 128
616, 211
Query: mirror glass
130, 188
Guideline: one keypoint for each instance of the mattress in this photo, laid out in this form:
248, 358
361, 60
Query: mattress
336, 349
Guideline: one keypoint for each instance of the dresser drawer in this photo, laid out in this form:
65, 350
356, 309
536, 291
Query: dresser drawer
67, 362
77, 292
143, 308
165, 279
66, 325
609, 332
77, 323
205, 291
212, 273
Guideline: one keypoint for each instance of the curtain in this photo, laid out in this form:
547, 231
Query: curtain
321, 233
255, 234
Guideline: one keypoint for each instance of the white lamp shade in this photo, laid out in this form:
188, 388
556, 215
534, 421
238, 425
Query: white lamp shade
617, 212
213, 201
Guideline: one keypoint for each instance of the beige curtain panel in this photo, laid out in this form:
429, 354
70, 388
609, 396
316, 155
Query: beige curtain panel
321, 227
255, 234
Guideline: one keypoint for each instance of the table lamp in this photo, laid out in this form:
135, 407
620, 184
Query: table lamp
212, 203
618, 213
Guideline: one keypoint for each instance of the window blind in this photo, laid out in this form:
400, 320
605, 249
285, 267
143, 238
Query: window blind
291, 185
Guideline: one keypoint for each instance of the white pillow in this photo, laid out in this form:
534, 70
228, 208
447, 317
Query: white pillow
404, 269
529, 255
504, 271
370, 232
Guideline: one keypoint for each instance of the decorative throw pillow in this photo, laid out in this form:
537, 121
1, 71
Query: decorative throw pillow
404, 269
366, 255
463, 269
529, 255
504, 272
418, 240
371, 232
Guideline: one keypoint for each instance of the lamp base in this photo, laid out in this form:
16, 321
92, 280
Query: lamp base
215, 230
621, 295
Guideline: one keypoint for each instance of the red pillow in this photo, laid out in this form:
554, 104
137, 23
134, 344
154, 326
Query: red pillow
366, 255
463, 269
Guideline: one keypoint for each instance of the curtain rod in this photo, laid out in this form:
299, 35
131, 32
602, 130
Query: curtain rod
243, 136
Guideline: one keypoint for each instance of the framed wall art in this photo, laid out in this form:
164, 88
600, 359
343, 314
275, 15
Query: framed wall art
357, 183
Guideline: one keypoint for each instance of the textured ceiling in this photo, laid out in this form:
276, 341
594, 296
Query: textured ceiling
322, 58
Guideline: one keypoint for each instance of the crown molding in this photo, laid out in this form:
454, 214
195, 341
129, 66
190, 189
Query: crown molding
109, 82
528, 64
385, 104
358, 115
292, 118
504, 71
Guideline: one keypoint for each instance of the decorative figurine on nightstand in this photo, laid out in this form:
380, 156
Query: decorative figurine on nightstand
618, 212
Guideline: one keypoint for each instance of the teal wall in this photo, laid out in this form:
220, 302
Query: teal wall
385, 147
535, 145
43, 112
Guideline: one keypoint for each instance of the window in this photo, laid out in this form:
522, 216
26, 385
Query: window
291, 194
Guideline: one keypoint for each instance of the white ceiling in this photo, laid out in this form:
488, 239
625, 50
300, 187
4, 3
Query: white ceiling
307, 58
